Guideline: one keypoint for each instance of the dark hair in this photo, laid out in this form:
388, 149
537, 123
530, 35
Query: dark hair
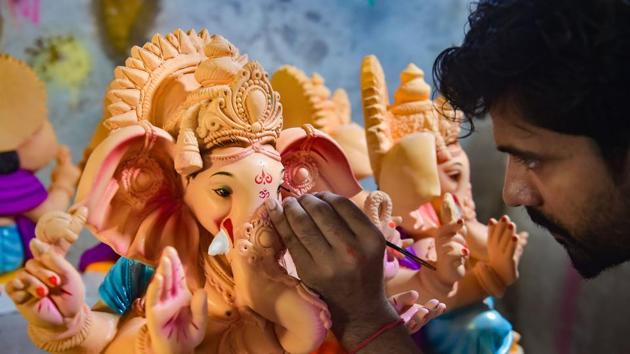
563, 64
9, 162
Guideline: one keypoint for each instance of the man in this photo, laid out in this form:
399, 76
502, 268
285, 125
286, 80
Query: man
553, 76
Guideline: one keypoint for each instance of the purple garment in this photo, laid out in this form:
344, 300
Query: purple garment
20, 192
99, 253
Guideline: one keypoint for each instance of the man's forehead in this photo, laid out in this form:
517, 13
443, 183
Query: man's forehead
508, 124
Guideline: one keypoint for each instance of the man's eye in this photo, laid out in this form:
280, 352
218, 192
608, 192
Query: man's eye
223, 192
529, 163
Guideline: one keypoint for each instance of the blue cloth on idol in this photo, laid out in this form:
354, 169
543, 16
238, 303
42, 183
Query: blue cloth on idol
11, 248
474, 329
126, 281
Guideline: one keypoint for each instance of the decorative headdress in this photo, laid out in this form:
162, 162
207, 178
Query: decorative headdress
308, 101
412, 110
199, 89
22, 102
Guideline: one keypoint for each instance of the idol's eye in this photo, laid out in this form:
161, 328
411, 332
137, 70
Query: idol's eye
223, 192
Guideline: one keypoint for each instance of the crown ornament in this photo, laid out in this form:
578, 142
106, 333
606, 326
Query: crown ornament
198, 88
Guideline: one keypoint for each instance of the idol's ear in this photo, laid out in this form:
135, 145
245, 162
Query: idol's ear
135, 196
314, 162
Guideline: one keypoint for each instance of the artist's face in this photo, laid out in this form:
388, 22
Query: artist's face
566, 187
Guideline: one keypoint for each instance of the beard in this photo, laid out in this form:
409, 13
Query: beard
601, 242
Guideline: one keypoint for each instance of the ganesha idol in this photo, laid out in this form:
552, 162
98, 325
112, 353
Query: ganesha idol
27, 144
416, 158
307, 100
176, 188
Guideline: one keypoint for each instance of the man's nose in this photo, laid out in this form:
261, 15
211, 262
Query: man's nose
518, 187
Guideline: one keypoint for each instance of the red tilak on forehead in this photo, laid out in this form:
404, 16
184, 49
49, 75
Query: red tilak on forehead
263, 178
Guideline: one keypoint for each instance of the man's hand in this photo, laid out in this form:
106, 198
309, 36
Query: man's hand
338, 253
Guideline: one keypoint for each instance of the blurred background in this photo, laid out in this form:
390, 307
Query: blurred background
74, 46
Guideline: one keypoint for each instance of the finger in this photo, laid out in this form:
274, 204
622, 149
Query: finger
199, 310
450, 230
455, 250
57, 264
412, 312
178, 277
63, 154
500, 228
354, 217
509, 239
305, 229
166, 269
432, 304
299, 253
447, 210
154, 291
48, 277
435, 308
79, 217
38, 248
33, 286
492, 225
17, 291
404, 299
523, 238
325, 218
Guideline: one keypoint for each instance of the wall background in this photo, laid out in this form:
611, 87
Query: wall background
555, 312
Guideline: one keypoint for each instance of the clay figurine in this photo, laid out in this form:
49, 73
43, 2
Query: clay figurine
175, 184
27, 144
413, 143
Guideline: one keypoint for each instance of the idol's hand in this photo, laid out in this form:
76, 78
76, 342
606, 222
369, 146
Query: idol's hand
414, 315
60, 229
176, 319
49, 291
65, 174
505, 248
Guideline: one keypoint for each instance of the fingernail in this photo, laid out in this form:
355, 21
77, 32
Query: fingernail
288, 199
460, 222
41, 292
511, 227
504, 218
465, 251
53, 280
514, 238
271, 204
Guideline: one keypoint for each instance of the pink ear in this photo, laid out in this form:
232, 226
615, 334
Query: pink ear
310, 149
134, 195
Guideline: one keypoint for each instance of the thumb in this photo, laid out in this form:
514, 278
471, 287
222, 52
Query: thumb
63, 154
199, 309
79, 217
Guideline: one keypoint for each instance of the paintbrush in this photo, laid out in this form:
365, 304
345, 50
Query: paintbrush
419, 261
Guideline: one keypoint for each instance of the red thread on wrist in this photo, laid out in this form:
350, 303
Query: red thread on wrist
386, 327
